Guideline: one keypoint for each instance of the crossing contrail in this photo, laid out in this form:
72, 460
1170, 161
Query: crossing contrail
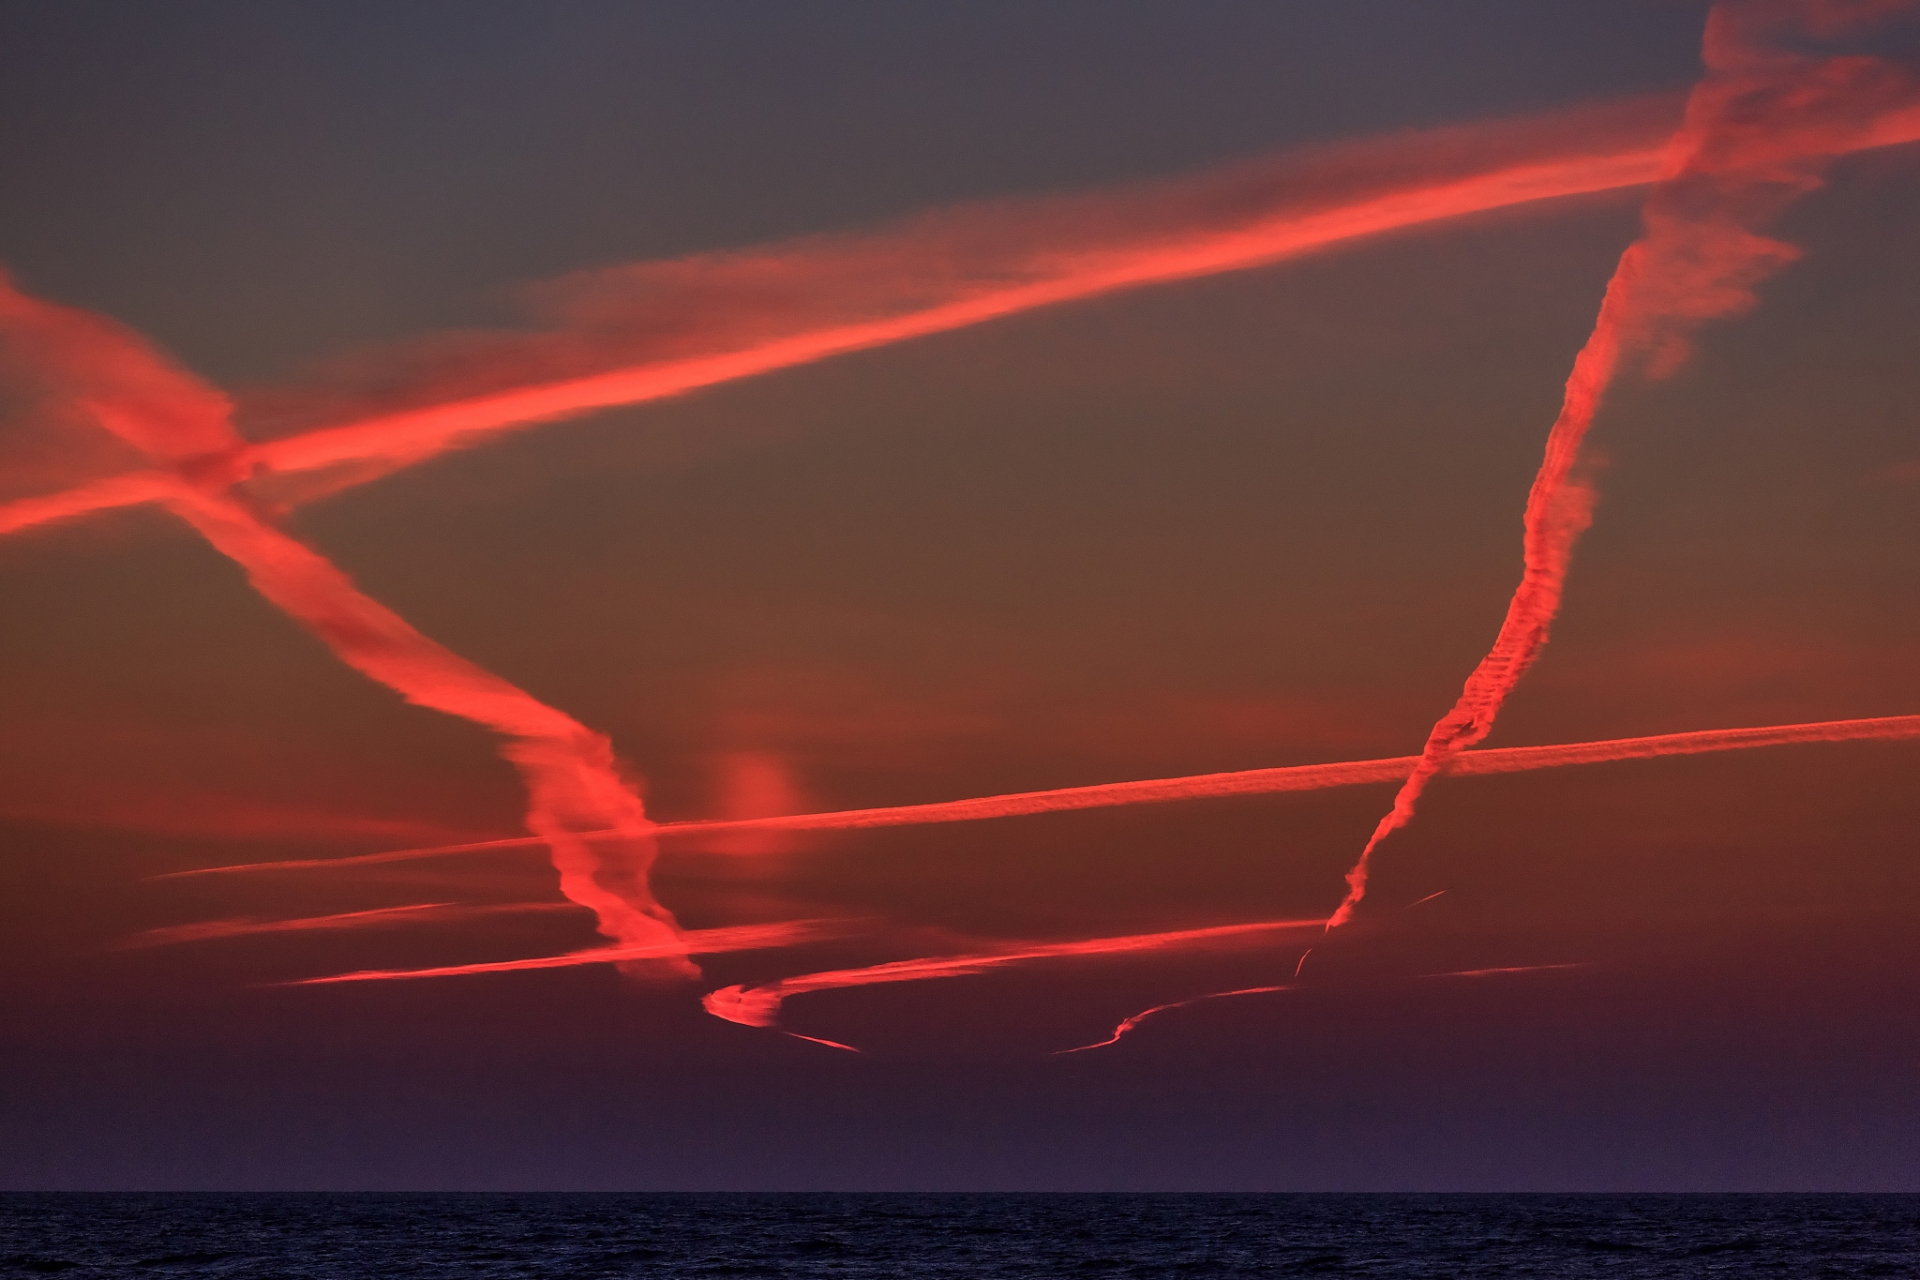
109, 374
622, 331
744, 937
1755, 133
1250, 782
1754, 136
649, 331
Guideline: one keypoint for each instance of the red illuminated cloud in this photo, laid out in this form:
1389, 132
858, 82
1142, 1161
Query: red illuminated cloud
189, 812
1753, 137
105, 372
759, 1006
1249, 782
379, 917
654, 330
1513, 968
748, 937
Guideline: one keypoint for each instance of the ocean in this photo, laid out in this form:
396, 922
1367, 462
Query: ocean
965, 1237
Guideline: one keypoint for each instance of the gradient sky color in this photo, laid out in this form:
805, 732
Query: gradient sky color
1261, 519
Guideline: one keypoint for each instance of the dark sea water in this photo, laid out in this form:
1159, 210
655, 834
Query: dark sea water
977, 1237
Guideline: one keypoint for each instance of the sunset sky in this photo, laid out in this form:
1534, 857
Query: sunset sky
1176, 517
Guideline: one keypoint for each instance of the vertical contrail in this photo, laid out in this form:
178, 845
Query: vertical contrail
574, 784
1755, 130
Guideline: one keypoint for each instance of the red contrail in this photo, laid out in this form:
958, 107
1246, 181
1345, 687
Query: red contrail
699, 942
654, 330
760, 1006
188, 811
790, 305
1128, 1024
572, 778
246, 926
787, 308
831, 1044
1250, 782
1755, 131
1513, 968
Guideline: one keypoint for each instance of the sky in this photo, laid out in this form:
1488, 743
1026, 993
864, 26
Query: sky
1181, 520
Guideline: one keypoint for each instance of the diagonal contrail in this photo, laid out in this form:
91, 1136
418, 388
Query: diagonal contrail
743, 937
951, 271
377, 918
1754, 134
794, 305
571, 775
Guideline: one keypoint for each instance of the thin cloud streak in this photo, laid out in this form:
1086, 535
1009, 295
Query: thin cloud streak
1128, 1024
194, 812
749, 937
378, 918
759, 1006
1516, 968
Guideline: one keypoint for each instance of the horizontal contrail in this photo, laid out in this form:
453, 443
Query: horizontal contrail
760, 1006
1250, 782
746, 937
167, 810
1128, 1024
379, 917
1512, 968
